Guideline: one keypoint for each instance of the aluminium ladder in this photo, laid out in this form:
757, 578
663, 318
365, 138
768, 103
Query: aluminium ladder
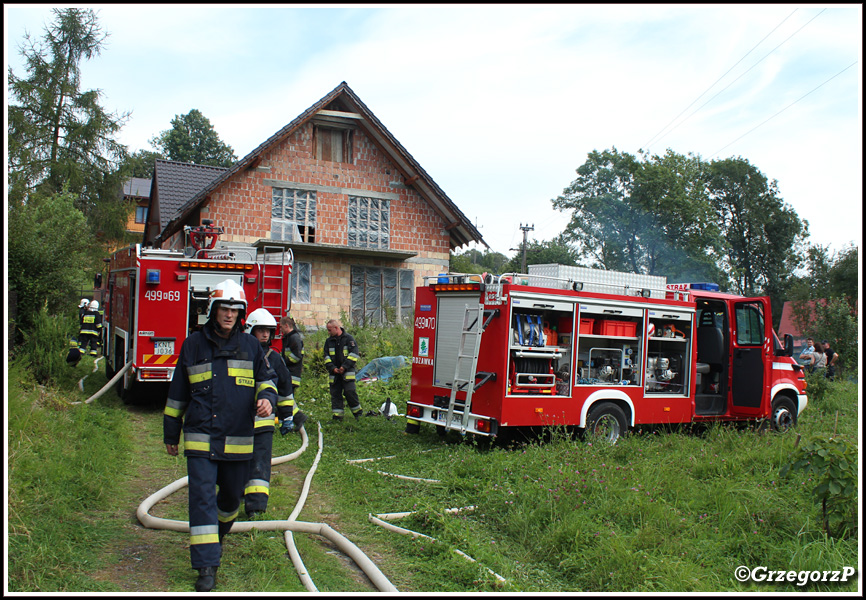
472, 330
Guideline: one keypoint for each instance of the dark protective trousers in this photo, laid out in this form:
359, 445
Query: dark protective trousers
215, 490
89, 341
258, 486
340, 387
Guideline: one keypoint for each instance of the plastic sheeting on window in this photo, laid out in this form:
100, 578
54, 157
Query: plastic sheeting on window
301, 282
294, 205
381, 293
369, 222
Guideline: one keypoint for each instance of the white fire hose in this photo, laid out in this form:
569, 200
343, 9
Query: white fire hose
288, 526
107, 386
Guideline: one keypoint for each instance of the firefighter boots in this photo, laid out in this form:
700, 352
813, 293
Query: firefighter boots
206, 579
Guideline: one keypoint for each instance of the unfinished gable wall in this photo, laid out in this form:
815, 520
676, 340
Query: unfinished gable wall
243, 207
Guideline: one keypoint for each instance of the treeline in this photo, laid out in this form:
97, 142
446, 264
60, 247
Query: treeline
66, 168
689, 219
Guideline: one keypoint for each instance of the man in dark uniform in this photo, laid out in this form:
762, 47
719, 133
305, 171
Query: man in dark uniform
222, 381
341, 356
293, 350
262, 326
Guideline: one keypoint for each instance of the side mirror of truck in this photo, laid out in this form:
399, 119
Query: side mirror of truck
788, 350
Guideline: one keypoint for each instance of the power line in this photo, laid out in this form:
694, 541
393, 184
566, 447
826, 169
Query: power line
784, 109
746, 71
652, 139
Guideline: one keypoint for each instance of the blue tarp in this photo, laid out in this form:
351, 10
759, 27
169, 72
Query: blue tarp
381, 368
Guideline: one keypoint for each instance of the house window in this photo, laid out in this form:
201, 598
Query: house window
140, 214
301, 282
332, 144
293, 215
369, 222
381, 295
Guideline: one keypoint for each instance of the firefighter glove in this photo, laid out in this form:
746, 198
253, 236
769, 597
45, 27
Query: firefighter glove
286, 425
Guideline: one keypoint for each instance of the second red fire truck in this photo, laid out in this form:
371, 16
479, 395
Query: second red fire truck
598, 350
156, 298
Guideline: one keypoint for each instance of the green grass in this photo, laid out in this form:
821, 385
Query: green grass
662, 511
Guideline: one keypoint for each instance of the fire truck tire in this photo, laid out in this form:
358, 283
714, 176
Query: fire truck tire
784, 414
606, 421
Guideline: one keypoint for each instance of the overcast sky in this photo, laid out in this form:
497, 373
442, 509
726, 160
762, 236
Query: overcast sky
500, 104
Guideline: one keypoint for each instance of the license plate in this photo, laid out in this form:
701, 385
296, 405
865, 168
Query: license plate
442, 415
163, 347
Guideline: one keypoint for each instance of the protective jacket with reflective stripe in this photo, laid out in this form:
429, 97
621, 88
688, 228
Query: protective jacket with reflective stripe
214, 392
285, 397
293, 355
341, 351
90, 323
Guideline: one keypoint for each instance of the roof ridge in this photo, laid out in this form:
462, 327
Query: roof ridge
189, 164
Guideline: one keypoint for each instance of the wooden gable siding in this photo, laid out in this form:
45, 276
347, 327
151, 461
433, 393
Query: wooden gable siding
242, 206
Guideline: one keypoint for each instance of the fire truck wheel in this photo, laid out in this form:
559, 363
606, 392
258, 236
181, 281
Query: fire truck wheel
784, 414
606, 421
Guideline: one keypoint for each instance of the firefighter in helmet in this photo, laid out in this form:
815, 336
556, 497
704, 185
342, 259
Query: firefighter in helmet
262, 325
221, 384
82, 306
90, 329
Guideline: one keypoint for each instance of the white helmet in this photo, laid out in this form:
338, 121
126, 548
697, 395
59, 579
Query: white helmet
388, 409
94, 305
84, 302
230, 293
261, 317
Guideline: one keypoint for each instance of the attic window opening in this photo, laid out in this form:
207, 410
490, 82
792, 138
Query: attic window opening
293, 215
332, 144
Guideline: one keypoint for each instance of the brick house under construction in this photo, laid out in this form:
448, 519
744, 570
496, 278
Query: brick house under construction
364, 221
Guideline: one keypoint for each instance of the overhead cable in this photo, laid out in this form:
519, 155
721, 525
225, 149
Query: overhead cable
784, 109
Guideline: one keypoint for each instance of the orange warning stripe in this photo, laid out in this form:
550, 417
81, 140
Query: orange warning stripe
168, 360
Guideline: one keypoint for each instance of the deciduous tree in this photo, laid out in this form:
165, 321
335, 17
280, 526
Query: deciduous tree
193, 139
762, 234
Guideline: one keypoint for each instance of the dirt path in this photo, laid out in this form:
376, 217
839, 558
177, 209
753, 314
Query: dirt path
141, 559
140, 553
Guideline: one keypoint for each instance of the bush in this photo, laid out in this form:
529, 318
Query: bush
46, 344
832, 465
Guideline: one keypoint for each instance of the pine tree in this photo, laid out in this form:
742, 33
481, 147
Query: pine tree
60, 137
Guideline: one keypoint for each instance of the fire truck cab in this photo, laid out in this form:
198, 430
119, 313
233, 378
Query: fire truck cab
598, 350
156, 298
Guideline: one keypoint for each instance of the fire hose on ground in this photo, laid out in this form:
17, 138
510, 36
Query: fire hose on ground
291, 525
288, 526
107, 386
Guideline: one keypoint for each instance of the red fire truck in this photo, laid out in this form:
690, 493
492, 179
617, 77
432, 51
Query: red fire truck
598, 350
156, 298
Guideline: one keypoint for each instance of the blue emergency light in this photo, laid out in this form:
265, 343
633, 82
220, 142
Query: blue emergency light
709, 287
152, 276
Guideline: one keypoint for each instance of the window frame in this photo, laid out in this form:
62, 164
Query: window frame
304, 230
143, 211
378, 289
361, 226
302, 283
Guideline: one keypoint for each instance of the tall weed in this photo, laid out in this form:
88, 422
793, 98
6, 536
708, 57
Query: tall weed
46, 345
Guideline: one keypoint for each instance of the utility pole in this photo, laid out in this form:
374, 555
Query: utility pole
525, 229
